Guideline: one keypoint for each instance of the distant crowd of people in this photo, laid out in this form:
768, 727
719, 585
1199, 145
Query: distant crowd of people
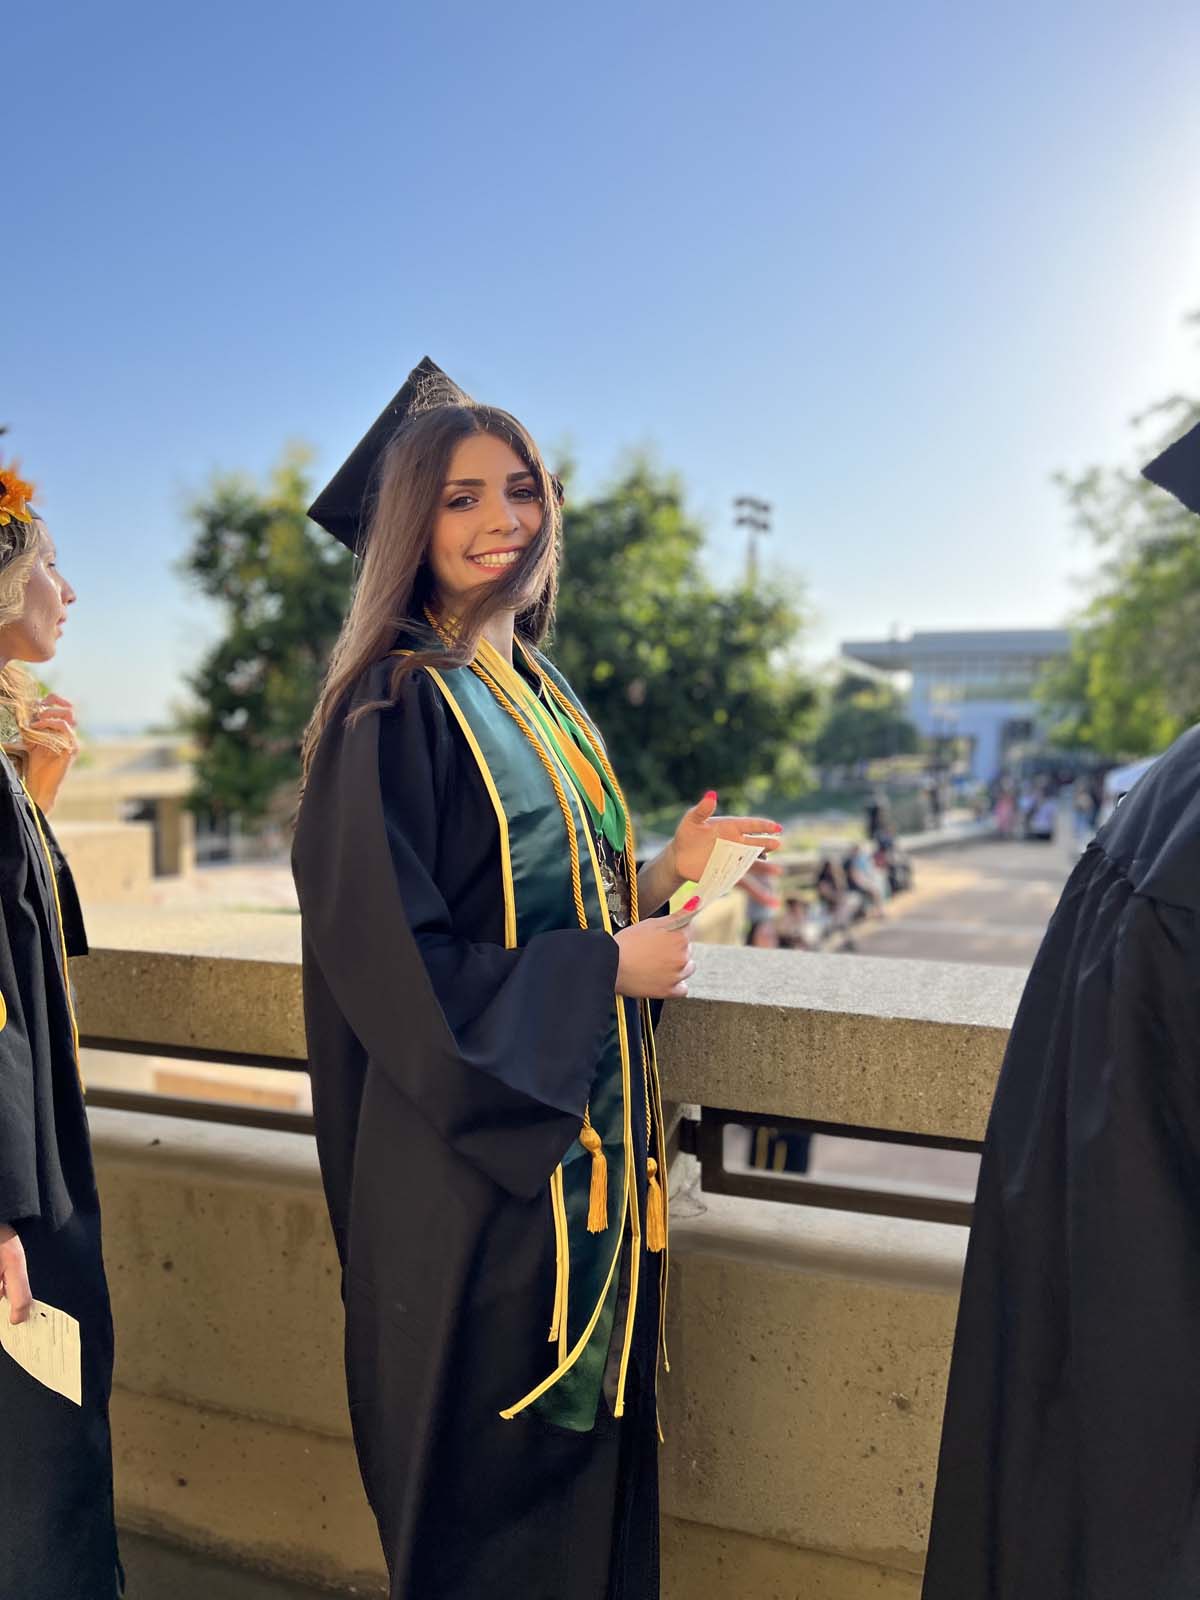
1030, 808
854, 882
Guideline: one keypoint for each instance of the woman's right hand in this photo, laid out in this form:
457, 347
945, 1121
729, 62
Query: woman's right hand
14, 1276
655, 957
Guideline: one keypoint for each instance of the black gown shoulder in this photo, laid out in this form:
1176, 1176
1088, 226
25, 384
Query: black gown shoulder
406, 972
1069, 1448
45, 1153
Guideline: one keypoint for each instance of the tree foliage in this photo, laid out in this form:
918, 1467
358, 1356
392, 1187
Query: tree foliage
695, 686
282, 585
1131, 683
864, 720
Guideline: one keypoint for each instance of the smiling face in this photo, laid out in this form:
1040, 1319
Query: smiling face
490, 510
34, 635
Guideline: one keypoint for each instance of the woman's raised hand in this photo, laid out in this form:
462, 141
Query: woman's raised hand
701, 828
45, 768
656, 956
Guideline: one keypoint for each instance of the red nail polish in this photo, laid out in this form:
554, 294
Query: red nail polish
777, 827
711, 794
692, 903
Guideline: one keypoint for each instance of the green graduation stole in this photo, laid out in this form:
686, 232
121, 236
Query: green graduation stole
546, 778
595, 782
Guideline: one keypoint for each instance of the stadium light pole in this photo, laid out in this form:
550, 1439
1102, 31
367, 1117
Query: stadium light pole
755, 516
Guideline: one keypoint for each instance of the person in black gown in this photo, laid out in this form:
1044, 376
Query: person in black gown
477, 987
57, 1536
1072, 1429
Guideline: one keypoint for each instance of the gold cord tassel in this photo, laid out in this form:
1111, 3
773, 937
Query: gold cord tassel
656, 1217
598, 1199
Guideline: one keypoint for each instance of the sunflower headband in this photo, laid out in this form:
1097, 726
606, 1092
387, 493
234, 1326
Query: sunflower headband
15, 495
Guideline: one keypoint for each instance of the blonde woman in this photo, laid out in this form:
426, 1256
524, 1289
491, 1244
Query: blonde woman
58, 1537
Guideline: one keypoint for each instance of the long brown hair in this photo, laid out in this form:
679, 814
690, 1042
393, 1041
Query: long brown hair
395, 583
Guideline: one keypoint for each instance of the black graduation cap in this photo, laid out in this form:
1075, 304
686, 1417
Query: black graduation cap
342, 506
1177, 470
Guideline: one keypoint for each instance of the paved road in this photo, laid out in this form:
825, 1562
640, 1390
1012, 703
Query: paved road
988, 902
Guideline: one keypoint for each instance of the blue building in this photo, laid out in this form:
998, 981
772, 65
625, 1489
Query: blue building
972, 686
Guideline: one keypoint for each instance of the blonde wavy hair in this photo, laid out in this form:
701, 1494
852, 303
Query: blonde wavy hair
21, 543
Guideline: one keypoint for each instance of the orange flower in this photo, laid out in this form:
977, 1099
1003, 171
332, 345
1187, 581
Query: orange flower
15, 495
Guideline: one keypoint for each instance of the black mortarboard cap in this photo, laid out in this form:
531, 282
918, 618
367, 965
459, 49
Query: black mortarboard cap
1177, 470
343, 507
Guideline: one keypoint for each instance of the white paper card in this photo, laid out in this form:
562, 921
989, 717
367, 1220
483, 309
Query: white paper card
46, 1344
727, 865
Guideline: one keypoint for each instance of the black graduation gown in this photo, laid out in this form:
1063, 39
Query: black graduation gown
450, 1076
57, 1537
1070, 1462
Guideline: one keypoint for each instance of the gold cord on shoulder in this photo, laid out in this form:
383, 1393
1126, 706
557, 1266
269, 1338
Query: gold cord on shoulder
656, 1221
656, 1211
62, 930
559, 792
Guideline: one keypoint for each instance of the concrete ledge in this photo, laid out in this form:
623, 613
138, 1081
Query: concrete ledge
249, 1491
889, 1251
221, 1264
951, 837
109, 860
699, 1560
155, 1568
896, 1045
809, 1354
208, 980
904, 1046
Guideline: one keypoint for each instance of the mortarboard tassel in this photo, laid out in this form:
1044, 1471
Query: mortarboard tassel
597, 1221
656, 1216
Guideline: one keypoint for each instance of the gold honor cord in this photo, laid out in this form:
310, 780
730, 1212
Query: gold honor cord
62, 932
597, 1221
581, 1344
656, 1209
506, 873
656, 1205
664, 1276
562, 1263
562, 1255
589, 1138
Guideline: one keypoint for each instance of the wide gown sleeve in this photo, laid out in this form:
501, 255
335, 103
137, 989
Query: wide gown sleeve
498, 1048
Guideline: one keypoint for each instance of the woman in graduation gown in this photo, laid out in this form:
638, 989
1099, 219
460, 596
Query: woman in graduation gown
1072, 1431
57, 1537
477, 986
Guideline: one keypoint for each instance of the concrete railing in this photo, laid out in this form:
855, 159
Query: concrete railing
809, 1346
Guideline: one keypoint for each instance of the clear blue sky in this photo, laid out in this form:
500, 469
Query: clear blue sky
887, 265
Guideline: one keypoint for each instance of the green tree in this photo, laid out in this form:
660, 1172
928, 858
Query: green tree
282, 585
694, 686
864, 721
1131, 682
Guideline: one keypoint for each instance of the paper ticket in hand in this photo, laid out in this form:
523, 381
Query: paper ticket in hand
46, 1344
727, 866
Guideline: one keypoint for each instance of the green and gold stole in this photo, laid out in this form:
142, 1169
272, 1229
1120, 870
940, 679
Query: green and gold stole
546, 772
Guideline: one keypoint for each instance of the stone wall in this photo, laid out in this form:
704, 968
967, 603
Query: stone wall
809, 1351
110, 861
809, 1347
